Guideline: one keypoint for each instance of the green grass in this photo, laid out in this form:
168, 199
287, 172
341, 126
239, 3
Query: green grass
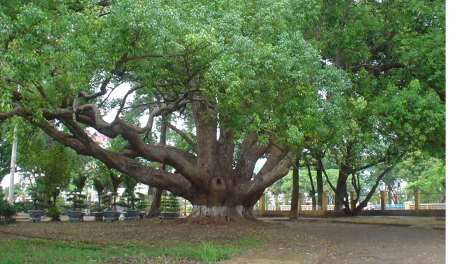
14, 249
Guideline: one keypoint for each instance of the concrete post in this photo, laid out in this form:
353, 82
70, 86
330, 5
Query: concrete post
323, 204
417, 201
382, 201
262, 206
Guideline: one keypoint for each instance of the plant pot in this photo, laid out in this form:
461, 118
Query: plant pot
35, 215
75, 216
110, 216
131, 215
170, 215
98, 216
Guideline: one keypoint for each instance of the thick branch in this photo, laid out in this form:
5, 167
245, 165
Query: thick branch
250, 153
263, 181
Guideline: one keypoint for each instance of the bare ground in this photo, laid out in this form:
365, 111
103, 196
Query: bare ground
412, 240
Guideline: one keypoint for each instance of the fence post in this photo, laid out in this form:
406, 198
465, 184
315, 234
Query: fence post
323, 204
382, 201
262, 205
417, 201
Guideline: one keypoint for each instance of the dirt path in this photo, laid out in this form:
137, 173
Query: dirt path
359, 240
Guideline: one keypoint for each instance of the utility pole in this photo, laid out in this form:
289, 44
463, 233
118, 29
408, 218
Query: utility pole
11, 198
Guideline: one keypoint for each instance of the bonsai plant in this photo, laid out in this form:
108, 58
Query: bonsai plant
100, 188
38, 201
141, 204
170, 207
130, 199
111, 214
76, 197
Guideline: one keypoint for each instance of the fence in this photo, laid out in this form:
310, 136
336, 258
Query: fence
270, 205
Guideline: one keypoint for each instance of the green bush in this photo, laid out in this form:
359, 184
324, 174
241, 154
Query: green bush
6, 209
53, 212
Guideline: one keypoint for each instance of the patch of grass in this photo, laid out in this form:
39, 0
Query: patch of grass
210, 252
205, 251
15, 249
24, 250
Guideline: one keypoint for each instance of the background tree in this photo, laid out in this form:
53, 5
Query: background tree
395, 104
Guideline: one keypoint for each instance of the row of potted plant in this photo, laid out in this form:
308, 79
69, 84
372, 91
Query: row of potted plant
106, 207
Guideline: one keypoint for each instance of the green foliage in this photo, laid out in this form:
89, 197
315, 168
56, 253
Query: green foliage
53, 212
36, 195
169, 203
6, 209
423, 173
77, 200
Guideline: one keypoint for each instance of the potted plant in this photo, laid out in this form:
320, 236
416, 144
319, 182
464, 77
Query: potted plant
141, 204
35, 214
76, 197
97, 210
111, 214
76, 214
129, 199
170, 208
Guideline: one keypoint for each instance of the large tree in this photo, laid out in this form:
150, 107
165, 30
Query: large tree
394, 55
240, 70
